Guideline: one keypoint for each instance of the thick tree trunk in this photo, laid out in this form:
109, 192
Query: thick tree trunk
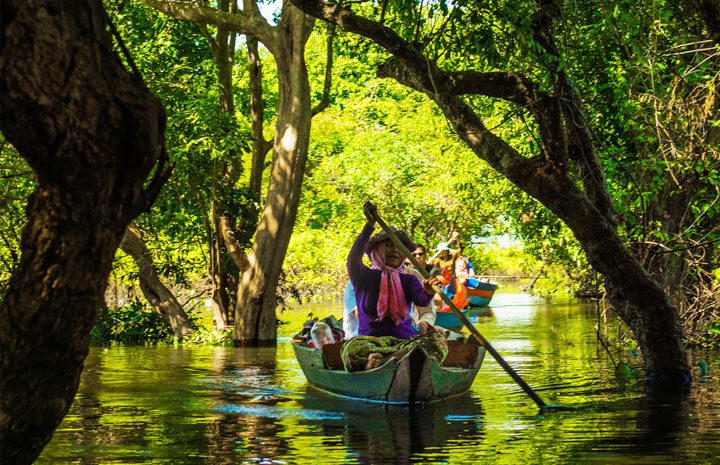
155, 292
255, 321
92, 133
255, 310
634, 294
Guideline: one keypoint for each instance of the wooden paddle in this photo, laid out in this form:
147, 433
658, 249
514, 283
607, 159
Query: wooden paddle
370, 208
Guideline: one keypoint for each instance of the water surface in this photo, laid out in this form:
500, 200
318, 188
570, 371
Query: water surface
218, 405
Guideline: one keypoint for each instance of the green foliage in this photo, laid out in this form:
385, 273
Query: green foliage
134, 323
648, 78
212, 338
715, 328
130, 324
175, 60
16, 184
393, 148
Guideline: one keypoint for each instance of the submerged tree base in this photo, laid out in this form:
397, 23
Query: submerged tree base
676, 380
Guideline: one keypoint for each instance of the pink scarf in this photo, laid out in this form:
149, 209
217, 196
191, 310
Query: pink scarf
391, 301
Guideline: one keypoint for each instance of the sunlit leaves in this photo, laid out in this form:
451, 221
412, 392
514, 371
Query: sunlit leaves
16, 184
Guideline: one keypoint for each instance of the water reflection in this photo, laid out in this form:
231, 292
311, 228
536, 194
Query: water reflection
242, 377
377, 433
209, 405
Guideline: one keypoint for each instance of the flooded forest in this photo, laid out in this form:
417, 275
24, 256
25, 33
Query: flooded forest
181, 184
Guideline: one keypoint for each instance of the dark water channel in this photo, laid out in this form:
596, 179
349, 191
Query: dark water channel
175, 405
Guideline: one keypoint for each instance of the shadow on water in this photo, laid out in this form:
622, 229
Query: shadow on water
659, 430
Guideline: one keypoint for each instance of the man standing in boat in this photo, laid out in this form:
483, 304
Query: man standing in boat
383, 296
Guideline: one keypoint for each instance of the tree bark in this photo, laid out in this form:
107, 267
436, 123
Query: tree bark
638, 299
92, 133
255, 321
155, 292
222, 45
257, 112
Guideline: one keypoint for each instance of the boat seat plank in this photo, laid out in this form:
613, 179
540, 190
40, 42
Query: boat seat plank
331, 355
460, 354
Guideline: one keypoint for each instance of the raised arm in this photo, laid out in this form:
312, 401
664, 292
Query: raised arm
354, 260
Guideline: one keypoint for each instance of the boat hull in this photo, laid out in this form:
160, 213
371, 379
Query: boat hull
413, 378
449, 320
479, 292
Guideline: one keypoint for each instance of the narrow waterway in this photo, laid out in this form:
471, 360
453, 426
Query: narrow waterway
176, 405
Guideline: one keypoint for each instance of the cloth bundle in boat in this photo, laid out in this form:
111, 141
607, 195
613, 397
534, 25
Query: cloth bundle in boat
356, 351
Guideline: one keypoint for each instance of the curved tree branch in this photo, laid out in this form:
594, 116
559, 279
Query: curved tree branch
510, 86
410, 67
248, 21
157, 294
642, 304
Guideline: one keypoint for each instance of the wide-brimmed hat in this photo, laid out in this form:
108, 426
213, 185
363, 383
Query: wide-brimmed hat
381, 236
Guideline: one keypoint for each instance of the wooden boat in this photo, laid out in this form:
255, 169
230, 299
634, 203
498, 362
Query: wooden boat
480, 291
413, 378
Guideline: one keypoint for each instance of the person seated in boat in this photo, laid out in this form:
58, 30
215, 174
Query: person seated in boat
423, 317
446, 257
383, 296
463, 268
420, 255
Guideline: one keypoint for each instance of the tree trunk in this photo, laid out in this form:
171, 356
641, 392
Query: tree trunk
222, 45
255, 321
155, 292
257, 112
637, 298
255, 309
92, 133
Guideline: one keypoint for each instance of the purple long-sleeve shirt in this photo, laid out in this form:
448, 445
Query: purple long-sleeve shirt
366, 283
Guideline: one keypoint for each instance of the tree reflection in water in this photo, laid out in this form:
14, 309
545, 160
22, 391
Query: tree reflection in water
379, 433
222, 405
